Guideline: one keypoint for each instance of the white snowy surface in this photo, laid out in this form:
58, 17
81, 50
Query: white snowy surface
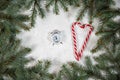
42, 48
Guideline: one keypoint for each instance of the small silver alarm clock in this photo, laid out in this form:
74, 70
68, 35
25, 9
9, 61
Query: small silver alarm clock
56, 37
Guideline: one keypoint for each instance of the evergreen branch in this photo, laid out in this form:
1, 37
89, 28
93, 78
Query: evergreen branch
91, 11
73, 2
16, 56
41, 11
29, 4
4, 4
46, 65
20, 17
50, 2
103, 24
22, 25
66, 72
5, 16
40, 71
34, 14
17, 19
85, 3
92, 69
56, 10
77, 2
110, 12
64, 5
81, 13
111, 54
109, 32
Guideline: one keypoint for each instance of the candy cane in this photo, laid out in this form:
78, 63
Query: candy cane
77, 53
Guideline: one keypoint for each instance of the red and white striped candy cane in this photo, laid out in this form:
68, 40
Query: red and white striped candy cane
77, 53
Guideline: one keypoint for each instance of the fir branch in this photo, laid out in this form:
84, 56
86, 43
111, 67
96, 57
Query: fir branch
41, 11
64, 5
56, 10
81, 13
4, 4
49, 3
91, 11
34, 14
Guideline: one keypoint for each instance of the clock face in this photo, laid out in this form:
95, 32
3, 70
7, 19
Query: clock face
56, 37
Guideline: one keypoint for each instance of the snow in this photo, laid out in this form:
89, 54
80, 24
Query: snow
43, 49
